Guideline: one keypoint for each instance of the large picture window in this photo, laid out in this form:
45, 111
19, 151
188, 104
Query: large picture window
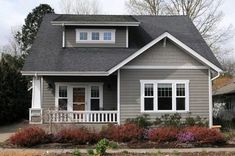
164, 95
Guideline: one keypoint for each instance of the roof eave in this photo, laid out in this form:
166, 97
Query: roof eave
74, 23
64, 73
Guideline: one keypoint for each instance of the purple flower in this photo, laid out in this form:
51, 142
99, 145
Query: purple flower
186, 137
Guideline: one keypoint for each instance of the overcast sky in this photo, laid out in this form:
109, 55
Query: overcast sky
13, 13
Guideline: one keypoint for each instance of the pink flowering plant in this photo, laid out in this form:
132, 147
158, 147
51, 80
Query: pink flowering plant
186, 137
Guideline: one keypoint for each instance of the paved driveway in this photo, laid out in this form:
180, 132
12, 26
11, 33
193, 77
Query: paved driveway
8, 130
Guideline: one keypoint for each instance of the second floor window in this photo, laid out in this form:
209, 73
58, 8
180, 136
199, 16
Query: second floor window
95, 36
83, 35
107, 35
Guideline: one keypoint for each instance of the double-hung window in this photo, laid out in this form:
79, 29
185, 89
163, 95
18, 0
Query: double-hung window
164, 95
95, 98
63, 98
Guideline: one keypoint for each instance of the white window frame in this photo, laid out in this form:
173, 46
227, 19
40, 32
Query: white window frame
70, 86
58, 97
155, 87
101, 36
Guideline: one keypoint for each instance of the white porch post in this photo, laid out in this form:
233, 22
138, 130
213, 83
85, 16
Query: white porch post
35, 112
36, 93
118, 97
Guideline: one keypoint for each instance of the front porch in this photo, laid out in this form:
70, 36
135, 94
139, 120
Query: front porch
85, 100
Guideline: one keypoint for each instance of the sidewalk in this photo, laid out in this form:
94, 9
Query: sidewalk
59, 151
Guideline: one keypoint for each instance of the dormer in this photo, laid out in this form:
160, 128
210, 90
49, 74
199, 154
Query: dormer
95, 30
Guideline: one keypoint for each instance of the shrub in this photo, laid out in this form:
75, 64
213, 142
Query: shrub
185, 137
203, 135
198, 121
142, 121
162, 134
122, 133
101, 147
76, 152
77, 136
168, 120
29, 137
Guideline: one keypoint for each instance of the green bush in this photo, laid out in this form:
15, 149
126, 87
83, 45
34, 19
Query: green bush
101, 147
142, 121
175, 120
76, 152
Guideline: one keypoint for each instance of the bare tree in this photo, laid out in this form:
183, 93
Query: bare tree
205, 14
80, 6
12, 47
145, 7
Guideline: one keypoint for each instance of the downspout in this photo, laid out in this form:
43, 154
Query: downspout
210, 97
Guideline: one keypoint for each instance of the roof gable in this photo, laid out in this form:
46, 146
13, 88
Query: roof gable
176, 41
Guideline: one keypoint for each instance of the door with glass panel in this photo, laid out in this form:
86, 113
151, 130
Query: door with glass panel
79, 98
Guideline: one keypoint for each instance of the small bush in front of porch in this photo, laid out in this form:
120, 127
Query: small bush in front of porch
29, 137
162, 134
142, 121
77, 136
123, 133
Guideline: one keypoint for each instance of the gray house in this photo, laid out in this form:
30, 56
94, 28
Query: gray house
108, 68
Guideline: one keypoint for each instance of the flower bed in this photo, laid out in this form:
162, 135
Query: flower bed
127, 133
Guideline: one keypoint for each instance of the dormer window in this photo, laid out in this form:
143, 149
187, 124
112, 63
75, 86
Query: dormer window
83, 36
93, 36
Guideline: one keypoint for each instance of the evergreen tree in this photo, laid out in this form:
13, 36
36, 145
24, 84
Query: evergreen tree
31, 26
14, 95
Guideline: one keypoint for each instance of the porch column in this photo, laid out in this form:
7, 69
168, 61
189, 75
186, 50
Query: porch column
36, 92
210, 100
118, 97
35, 112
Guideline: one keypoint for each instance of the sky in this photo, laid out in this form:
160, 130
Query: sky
13, 13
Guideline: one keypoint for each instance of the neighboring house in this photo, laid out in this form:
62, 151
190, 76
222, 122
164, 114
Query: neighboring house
224, 98
108, 68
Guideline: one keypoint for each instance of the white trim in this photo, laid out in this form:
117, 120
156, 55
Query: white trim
164, 67
65, 73
171, 37
95, 24
86, 85
101, 36
210, 99
127, 37
36, 93
155, 105
118, 97
63, 36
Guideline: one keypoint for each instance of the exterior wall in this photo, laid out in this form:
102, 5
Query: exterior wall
70, 37
109, 90
130, 90
171, 55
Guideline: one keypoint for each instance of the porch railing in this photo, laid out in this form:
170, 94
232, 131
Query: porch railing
51, 116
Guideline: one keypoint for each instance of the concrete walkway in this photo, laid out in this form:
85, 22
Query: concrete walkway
59, 151
8, 130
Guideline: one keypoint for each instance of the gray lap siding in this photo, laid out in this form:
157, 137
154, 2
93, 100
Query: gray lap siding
109, 90
130, 90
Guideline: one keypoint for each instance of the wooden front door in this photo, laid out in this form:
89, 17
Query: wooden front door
79, 99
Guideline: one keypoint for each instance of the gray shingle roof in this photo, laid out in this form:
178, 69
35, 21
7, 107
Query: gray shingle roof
48, 55
96, 18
